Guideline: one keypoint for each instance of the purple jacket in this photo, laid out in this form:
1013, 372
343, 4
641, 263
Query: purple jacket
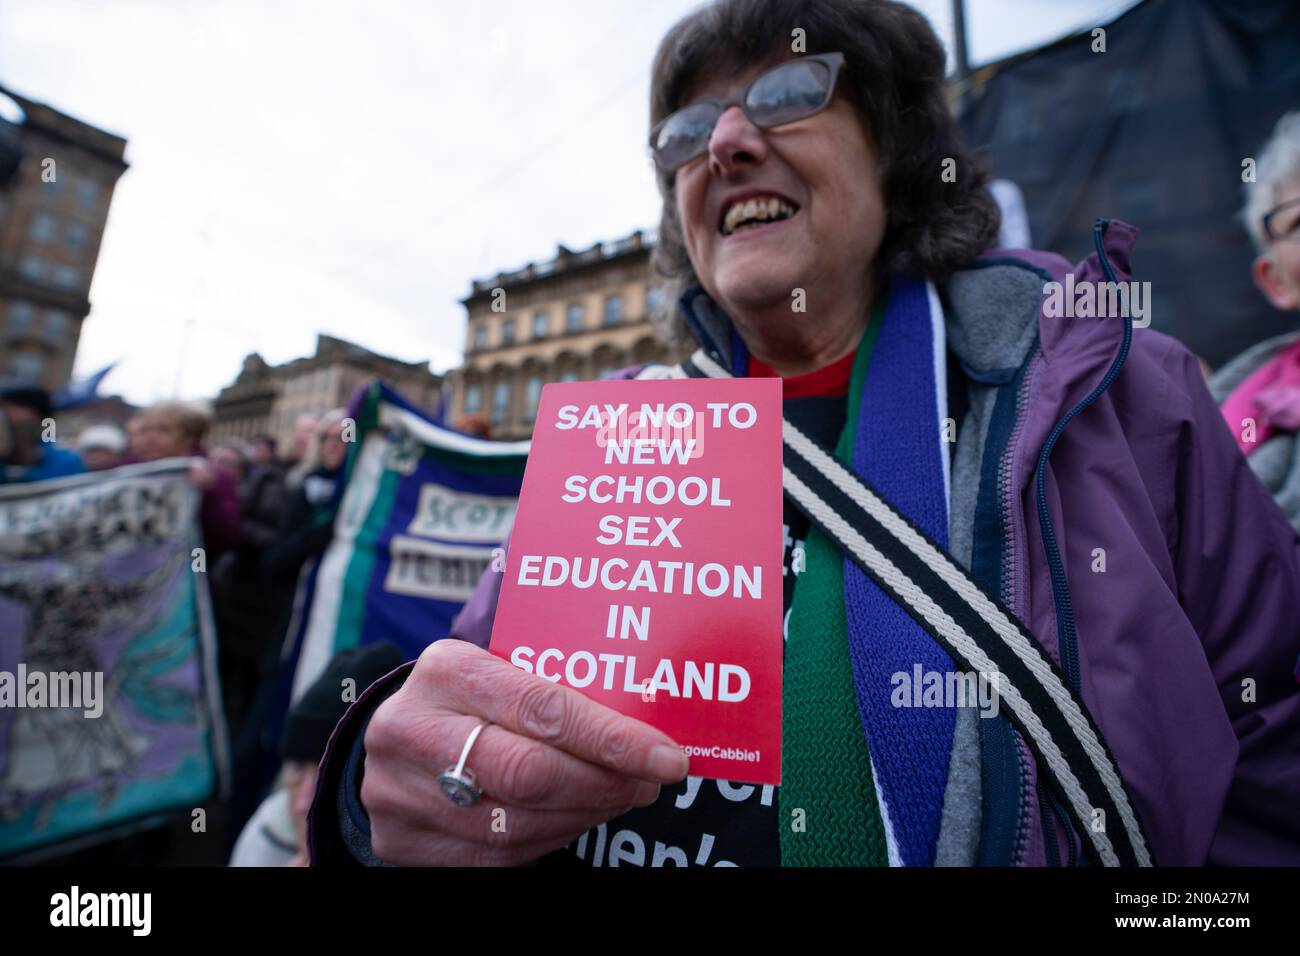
1187, 640
1201, 591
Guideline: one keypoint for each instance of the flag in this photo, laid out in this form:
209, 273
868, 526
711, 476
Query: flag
420, 513
82, 390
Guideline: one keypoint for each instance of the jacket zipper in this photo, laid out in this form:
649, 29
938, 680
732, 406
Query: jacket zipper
1066, 628
1010, 591
1067, 632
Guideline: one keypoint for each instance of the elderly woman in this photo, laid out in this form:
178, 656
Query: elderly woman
176, 430
823, 224
1259, 390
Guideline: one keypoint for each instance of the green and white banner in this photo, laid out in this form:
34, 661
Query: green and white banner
420, 512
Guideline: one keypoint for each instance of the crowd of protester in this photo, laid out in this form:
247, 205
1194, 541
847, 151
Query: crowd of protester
265, 512
262, 515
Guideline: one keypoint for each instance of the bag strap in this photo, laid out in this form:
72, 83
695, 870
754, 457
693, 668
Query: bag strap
975, 628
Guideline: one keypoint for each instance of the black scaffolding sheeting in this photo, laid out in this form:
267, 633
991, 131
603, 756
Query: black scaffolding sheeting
1156, 130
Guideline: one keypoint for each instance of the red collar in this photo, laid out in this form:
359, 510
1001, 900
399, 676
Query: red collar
828, 381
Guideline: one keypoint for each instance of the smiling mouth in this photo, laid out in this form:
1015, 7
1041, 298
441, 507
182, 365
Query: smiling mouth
755, 211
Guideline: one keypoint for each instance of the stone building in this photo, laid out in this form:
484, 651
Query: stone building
57, 176
104, 410
576, 316
268, 399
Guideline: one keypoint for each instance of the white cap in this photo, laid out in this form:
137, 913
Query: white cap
102, 436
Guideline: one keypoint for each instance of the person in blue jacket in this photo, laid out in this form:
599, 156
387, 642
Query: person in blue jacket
24, 454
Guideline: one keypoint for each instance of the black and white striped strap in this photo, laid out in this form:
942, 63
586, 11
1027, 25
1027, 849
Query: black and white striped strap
973, 626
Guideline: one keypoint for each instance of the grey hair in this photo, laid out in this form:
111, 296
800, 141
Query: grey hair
1278, 168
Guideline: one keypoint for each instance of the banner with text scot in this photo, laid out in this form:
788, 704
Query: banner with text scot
645, 565
422, 512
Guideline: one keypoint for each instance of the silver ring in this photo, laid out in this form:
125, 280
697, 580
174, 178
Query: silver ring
457, 782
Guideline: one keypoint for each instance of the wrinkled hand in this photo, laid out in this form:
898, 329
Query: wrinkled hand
552, 765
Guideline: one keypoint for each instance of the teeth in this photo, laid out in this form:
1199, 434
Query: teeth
751, 210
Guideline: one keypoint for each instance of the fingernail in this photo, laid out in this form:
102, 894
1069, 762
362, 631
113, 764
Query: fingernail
667, 763
646, 794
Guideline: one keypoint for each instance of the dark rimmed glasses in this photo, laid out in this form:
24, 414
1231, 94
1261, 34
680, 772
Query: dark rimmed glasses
1270, 219
792, 91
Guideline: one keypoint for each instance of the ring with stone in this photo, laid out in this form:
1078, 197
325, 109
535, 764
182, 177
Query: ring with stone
458, 782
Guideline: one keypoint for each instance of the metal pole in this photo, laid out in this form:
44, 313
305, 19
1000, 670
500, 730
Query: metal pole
962, 72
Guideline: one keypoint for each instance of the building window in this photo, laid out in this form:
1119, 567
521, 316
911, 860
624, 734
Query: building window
613, 309
22, 315
480, 337
500, 399
573, 317
43, 227
87, 193
473, 399
32, 267
541, 325
56, 326
532, 394
66, 277
508, 332
27, 367
653, 296
77, 238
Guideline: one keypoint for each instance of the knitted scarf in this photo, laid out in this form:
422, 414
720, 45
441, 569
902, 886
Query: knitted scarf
869, 777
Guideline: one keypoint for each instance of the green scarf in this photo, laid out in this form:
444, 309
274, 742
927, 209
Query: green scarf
829, 812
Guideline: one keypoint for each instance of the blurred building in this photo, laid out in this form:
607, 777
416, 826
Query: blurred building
576, 316
57, 176
267, 399
105, 410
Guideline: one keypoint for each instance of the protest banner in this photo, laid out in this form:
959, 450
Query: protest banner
109, 706
421, 511
645, 565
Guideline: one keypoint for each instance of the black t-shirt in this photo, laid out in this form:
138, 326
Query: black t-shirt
714, 822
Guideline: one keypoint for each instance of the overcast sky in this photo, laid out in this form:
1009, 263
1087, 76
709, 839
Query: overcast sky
347, 166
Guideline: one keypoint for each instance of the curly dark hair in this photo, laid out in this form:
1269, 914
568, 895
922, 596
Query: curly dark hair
894, 75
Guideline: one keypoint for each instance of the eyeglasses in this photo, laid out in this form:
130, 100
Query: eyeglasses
792, 91
1292, 233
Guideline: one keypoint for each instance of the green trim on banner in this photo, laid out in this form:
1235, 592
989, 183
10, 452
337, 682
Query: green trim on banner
511, 465
367, 419
356, 580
